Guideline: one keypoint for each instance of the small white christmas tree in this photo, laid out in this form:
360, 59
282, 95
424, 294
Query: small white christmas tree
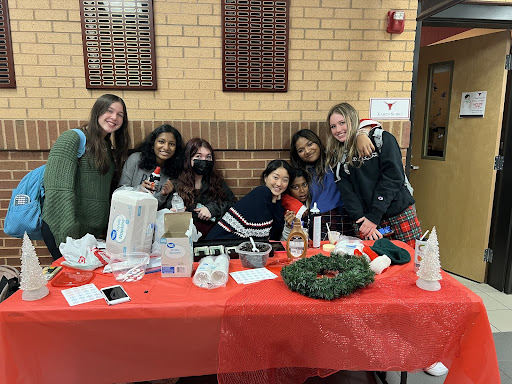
430, 267
33, 283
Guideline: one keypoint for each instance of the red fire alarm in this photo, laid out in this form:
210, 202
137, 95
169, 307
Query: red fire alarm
396, 21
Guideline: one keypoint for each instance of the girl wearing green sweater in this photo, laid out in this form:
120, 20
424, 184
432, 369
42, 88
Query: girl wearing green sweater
77, 190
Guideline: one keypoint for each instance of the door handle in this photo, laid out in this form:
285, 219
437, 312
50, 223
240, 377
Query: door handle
415, 167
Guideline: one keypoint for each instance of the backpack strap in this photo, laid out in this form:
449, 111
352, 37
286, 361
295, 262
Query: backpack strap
81, 146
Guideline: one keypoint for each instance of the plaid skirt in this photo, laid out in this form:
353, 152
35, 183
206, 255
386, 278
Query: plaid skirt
405, 227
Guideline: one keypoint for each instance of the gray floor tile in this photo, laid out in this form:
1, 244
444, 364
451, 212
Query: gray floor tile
501, 319
506, 367
490, 303
502, 297
487, 288
503, 344
423, 378
505, 379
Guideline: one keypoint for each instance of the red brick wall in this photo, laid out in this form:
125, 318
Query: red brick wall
243, 150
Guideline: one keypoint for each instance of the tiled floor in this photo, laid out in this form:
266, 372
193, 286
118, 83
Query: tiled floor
499, 311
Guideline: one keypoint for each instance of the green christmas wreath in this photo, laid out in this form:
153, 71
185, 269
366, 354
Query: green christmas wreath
327, 277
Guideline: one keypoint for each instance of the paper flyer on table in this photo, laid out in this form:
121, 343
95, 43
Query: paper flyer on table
252, 275
82, 294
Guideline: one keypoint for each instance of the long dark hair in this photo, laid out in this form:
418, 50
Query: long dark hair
187, 180
95, 145
173, 166
272, 166
297, 162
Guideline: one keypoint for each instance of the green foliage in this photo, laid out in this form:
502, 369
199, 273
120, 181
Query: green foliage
352, 273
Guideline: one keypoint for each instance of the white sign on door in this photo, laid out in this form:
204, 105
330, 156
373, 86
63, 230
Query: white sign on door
472, 104
390, 109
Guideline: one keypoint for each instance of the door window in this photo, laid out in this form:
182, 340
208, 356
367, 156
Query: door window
437, 110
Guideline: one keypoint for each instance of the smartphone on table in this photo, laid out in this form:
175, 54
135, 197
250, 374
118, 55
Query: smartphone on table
115, 295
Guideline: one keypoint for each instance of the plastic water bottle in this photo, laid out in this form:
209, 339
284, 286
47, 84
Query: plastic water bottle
177, 203
154, 179
316, 218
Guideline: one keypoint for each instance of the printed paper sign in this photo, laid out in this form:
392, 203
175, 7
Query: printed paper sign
390, 109
472, 104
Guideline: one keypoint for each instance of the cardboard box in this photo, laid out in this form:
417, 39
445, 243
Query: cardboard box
131, 223
176, 245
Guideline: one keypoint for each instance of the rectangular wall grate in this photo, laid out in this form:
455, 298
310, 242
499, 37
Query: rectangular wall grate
7, 76
255, 45
119, 44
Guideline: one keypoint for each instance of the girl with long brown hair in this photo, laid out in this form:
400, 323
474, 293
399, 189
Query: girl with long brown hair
77, 190
202, 187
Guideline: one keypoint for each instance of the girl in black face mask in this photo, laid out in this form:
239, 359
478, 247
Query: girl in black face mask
202, 187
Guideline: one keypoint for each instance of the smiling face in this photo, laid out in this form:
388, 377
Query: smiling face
339, 127
164, 147
201, 154
277, 181
307, 150
111, 120
299, 189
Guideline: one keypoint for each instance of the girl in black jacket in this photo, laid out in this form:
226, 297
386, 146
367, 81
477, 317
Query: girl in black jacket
202, 187
373, 187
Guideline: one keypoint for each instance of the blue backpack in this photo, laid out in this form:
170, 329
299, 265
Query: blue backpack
26, 205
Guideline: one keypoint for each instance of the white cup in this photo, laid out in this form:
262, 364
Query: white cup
333, 236
419, 252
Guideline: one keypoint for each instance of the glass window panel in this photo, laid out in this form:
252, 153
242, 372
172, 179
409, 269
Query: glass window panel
437, 112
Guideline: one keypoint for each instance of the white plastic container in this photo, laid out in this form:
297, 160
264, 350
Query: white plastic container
131, 223
177, 203
316, 218
251, 259
419, 252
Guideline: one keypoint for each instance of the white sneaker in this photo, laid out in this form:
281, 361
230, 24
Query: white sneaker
436, 369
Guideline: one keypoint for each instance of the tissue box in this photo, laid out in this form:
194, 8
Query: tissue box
131, 222
176, 245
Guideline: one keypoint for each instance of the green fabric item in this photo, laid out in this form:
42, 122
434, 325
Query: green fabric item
396, 254
77, 196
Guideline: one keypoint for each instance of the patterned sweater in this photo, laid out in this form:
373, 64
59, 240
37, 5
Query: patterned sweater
77, 196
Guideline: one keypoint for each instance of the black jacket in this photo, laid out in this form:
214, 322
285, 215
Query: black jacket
377, 188
217, 208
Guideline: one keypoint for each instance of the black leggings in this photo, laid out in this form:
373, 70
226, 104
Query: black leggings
49, 240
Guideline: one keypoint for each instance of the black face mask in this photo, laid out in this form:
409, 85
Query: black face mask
202, 167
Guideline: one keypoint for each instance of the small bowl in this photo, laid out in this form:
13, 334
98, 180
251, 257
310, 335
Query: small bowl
251, 259
129, 267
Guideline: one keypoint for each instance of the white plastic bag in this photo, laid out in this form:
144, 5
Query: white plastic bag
80, 253
348, 244
159, 231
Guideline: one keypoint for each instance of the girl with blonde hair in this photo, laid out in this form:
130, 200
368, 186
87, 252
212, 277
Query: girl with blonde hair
372, 187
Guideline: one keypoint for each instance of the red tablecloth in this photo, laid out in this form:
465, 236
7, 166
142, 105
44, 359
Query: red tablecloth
172, 328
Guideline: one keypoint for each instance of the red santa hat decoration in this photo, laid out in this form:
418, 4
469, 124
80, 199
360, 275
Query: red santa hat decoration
369, 122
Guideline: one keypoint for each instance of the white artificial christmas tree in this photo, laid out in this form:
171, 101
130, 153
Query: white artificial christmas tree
33, 283
430, 267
